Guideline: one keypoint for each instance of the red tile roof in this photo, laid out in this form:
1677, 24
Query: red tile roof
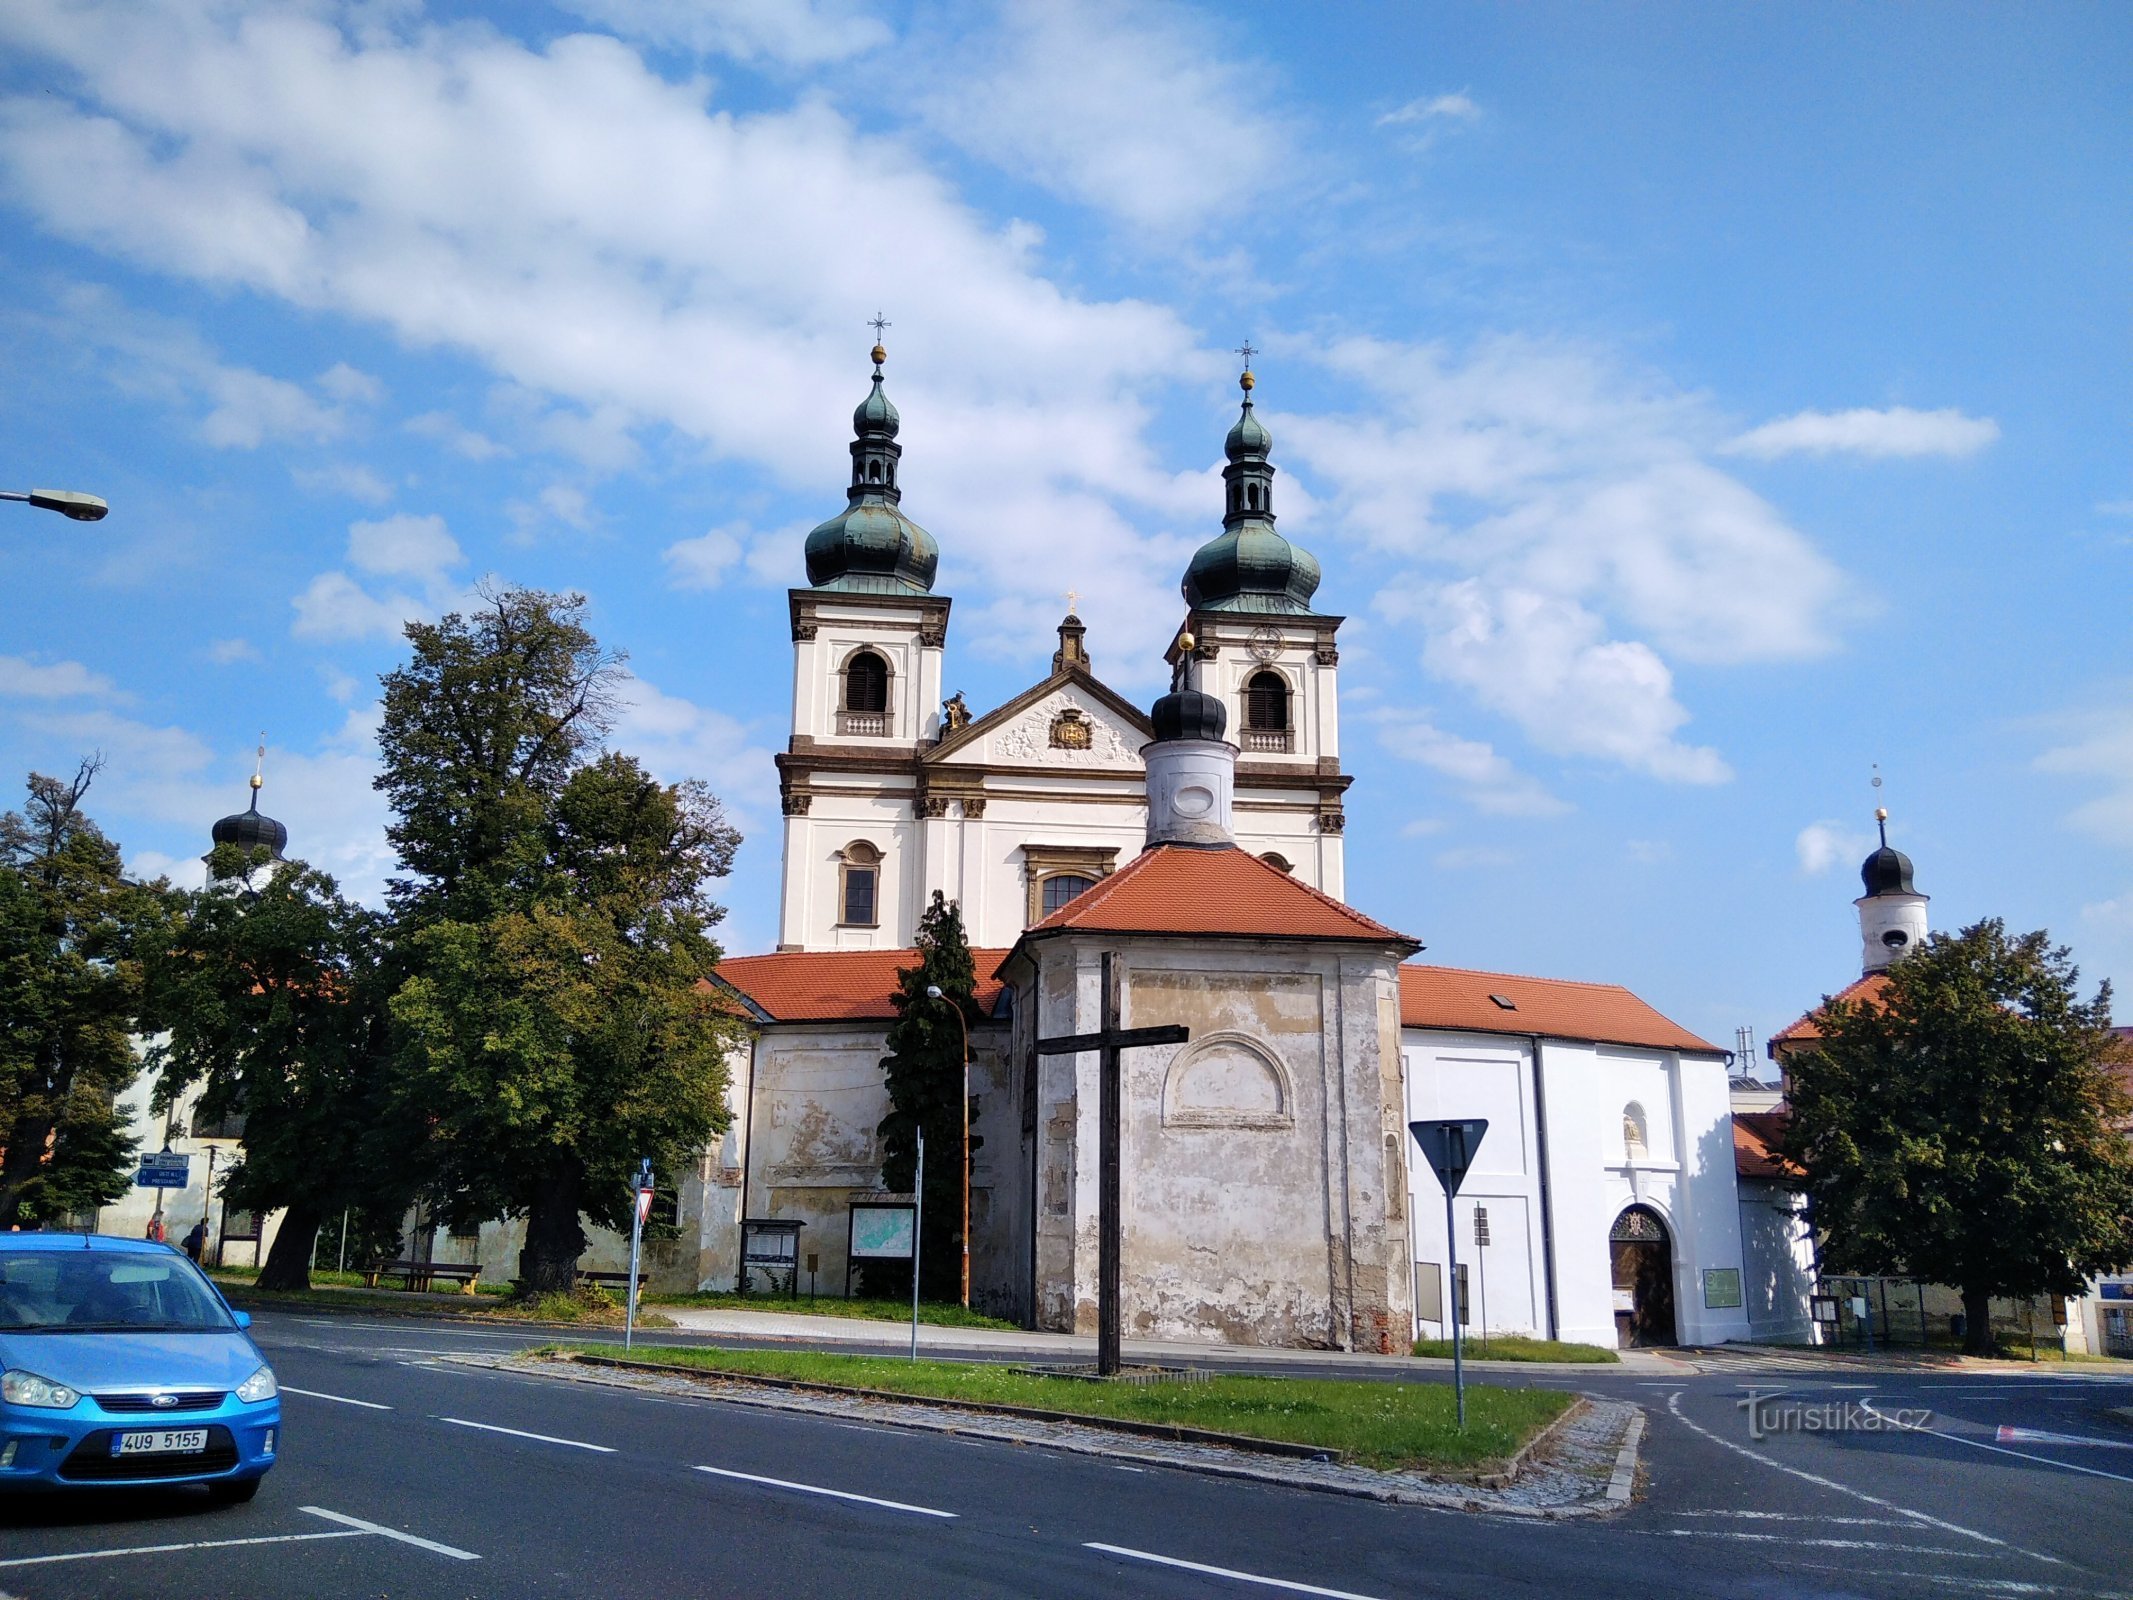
837, 985
1606, 1013
1755, 1136
1805, 1030
1222, 893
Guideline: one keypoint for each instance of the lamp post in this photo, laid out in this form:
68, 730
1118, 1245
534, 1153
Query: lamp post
80, 507
962, 1024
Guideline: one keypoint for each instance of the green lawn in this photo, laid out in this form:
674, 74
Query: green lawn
1375, 1424
939, 1314
1516, 1347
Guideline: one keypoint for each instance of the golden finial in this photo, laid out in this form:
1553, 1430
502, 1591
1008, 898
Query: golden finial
1881, 813
1185, 643
259, 766
1244, 380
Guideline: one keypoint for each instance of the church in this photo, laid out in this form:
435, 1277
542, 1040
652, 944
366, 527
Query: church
1270, 1192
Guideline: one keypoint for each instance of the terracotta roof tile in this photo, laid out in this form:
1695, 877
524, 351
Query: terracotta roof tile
1607, 1013
1868, 988
1755, 1136
837, 985
1227, 892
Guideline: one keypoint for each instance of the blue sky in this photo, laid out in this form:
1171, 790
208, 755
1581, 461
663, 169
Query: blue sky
1692, 407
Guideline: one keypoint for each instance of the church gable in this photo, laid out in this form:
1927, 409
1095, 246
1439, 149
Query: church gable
1068, 720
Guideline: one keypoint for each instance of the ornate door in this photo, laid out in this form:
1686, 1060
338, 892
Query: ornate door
1643, 1261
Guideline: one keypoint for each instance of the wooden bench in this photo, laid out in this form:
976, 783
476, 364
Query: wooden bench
419, 1275
615, 1280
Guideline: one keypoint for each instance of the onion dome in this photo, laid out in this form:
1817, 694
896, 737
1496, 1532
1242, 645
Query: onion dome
1189, 714
1248, 566
1887, 870
250, 830
871, 547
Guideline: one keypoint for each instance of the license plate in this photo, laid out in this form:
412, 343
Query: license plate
164, 1442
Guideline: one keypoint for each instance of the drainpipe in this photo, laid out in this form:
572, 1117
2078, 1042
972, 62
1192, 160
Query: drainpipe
740, 1273
1540, 1150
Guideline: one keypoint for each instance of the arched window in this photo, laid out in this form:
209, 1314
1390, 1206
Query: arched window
1062, 887
873, 472
1252, 494
1636, 1142
1266, 703
866, 683
859, 887
1276, 859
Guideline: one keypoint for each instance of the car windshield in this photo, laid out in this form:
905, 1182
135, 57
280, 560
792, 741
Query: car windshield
105, 1291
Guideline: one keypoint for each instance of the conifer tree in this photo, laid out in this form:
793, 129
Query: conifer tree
1967, 1127
924, 1076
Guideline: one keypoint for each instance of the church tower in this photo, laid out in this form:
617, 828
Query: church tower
1252, 640
249, 829
1892, 913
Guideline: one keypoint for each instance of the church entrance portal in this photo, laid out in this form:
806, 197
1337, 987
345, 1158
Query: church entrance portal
1644, 1278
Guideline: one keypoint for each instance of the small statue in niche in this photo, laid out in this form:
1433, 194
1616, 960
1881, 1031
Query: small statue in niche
955, 715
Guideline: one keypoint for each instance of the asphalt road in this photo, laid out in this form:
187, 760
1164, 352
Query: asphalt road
404, 1477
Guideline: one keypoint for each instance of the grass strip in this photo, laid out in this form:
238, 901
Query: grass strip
937, 1314
1517, 1347
1409, 1426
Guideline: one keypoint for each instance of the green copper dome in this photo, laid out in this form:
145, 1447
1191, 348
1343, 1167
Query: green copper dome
1248, 566
871, 547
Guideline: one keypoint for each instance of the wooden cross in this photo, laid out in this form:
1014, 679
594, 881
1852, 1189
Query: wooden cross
1108, 1041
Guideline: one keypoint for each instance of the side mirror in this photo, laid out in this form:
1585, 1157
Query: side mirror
244, 1318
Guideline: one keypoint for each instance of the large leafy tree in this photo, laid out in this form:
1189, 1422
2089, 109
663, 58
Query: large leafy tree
924, 1076
1967, 1127
554, 929
272, 988
70, 993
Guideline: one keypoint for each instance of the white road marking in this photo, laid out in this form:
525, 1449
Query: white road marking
1948, 1580
816, 1488
2009, 1435
1224, 1572
1999, 1450
338, 1399
1673, 1405
166, 1549
521, 1433
1794, 1516
383, 1532
1794, 1541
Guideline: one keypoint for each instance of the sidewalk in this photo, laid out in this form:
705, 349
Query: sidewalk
800, 1328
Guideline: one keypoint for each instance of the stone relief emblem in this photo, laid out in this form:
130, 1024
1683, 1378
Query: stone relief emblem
1071, 733
1070, 730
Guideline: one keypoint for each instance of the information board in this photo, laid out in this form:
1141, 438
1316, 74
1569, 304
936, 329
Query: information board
883, 1232
164, 1171
1721, 1288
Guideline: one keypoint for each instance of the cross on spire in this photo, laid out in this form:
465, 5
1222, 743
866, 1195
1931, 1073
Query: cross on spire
1073, 595
1245, 350
877, 323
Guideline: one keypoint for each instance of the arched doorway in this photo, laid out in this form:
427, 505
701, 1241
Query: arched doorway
1644, 1278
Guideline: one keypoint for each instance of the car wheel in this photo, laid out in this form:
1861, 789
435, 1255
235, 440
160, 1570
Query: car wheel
233, 1491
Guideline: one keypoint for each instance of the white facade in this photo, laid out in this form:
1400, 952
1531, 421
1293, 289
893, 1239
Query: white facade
1598, 1130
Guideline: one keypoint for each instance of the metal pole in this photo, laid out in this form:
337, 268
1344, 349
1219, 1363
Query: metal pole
344, 1240
1110, 1226
918, 1234
964, 1026
642, 1187
1451, 1241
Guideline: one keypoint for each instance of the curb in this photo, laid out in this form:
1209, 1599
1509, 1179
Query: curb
1624, 1481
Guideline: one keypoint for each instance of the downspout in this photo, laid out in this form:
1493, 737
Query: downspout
1540, 1150
740, 1266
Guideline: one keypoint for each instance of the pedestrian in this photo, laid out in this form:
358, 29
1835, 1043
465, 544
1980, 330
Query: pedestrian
155, 1229
196, 1241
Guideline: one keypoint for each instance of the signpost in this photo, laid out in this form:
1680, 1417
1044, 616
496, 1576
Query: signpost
638, 1212
1108, 1040
1449, 1147
918, 1233
164, 1171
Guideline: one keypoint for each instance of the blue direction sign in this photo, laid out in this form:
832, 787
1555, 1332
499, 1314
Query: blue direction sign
164, 1171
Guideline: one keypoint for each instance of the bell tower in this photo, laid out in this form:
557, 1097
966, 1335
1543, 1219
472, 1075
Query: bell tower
1892, 913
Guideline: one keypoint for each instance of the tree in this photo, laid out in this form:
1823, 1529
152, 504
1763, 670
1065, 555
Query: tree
923, 1072
274, 999
1966, 1127
70, 991
552, 1023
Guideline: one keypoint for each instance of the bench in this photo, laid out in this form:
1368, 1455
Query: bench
419, 1275
615, 1280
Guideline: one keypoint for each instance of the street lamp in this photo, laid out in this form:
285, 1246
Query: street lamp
80, 507
933, 993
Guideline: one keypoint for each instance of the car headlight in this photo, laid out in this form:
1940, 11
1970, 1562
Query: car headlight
19, 1388
259, 1386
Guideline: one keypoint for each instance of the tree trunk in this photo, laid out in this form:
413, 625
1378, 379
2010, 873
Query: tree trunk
1977, 1322
288, 1264
554, 1239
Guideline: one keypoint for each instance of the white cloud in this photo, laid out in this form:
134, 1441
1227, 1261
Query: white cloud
1896, 431
676, 738
2098, 746
145, 866
334, 606
454, 435
1457, 107
800, 33
228, 652
349, 478
1484, 778
1132, 110
702, 562
1467, 858
404, 546
23, 679
1823, 845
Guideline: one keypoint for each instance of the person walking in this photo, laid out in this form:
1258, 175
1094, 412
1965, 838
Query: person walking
196, 1241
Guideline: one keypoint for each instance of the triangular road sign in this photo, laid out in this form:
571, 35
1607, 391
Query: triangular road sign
1449, 1147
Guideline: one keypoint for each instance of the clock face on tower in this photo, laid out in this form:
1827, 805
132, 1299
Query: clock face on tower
1265, 643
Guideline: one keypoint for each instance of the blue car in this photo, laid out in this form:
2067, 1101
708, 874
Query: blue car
120, 1364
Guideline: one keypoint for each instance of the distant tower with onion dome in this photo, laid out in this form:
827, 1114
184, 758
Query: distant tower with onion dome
251, 829
1892, 913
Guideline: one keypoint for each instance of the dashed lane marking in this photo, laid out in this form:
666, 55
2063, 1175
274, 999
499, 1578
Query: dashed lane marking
167, 1549
834, 1494
521, 1433
1231, 1573
383, 1532
337, 1399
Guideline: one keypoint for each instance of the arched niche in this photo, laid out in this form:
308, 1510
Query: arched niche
1227, 1080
